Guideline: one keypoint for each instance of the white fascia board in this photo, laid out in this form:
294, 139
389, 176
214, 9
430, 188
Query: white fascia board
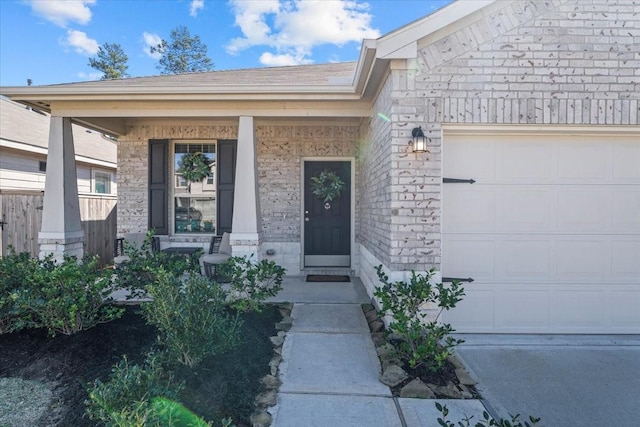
5, 143
400, 43
538, 129
20, 146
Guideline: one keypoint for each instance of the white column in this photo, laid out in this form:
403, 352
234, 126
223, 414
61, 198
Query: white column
247, 224
61, 231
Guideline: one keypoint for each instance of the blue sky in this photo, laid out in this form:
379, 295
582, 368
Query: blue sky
51, 41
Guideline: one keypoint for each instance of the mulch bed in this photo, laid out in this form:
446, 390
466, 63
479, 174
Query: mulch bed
221, 386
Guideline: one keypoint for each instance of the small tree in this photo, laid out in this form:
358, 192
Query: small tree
111, 60
183, 54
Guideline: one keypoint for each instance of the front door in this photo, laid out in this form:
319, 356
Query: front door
327, 223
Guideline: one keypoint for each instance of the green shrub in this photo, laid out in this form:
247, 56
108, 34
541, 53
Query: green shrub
65, 297
487, 422
15, 268
191, 317
252, 283
421, 341
139, 271
125, 400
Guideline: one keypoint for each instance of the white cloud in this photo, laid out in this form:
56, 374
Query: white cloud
151, 40
81, 43
293, 28
271, 60
62, 12
196, 5
90, 76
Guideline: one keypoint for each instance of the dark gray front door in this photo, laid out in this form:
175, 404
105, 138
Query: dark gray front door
327, 225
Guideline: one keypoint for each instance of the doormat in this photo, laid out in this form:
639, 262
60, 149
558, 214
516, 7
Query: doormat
327, 278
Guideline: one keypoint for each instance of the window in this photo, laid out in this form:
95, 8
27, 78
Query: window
194, 203
42, 166
101, 182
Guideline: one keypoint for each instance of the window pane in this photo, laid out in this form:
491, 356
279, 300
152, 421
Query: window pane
102, 183
194, 207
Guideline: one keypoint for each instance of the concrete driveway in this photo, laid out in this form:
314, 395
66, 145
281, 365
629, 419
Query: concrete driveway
567, 380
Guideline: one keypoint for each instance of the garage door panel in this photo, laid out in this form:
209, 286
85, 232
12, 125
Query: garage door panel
579, 161
582, 211
474, 312
471, 256
561, 253
526, 161
625, 260
626, 158
524, 209
625, 210
525, 260
625, 305
531, 311
478, 160
587, 308
580, 259
470, 209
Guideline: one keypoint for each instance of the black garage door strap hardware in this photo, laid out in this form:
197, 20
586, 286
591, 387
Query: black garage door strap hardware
457, 181
457, 279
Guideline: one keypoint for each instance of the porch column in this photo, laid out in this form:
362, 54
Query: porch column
246, 225
61, 231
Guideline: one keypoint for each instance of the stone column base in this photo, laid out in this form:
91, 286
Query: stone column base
246, 244
72, 245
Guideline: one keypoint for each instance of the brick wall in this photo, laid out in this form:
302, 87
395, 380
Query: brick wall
374, 191
571, 62
133, 151
279, 150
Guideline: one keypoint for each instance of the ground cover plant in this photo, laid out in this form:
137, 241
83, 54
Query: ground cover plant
414, 308
192, 353
62, 297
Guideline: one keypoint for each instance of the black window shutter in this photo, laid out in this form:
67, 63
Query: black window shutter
227, 151
159, 185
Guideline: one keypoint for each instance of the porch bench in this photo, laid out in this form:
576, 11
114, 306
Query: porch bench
219, 253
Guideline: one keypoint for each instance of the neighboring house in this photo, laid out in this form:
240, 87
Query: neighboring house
536, 101
24, 136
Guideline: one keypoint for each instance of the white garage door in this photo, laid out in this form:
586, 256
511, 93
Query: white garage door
550, 232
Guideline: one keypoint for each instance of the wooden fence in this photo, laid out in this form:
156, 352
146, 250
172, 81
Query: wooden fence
22, 217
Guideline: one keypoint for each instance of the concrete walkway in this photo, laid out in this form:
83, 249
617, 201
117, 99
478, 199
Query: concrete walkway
330, 369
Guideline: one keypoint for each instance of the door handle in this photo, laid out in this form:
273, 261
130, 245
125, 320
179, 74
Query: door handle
306, 219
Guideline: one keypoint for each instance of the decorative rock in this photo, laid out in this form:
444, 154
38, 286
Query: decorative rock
277, 350
261, 419
464, 377
450, 390
267, 398
277, 340
376, 326
378, 338
393, 376
455, 362
466, 394
417, 388
271, 382
386, 350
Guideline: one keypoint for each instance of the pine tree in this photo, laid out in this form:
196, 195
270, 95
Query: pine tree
183, 54
111, 60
